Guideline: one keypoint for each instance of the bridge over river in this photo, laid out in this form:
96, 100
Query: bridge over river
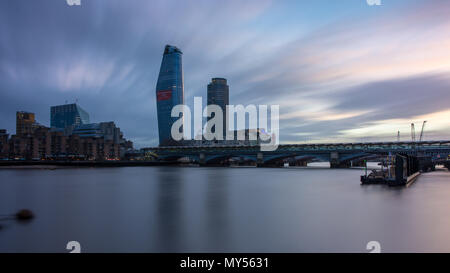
340, 155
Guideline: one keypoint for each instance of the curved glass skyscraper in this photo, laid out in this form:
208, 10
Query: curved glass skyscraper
169, 92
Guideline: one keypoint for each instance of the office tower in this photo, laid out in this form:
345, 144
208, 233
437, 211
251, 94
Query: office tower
25, 122
66, 115
169, 92
218, 94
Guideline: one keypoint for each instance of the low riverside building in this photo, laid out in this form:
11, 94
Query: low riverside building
24, 147
90, 149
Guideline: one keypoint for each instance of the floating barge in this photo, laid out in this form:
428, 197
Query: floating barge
403, 172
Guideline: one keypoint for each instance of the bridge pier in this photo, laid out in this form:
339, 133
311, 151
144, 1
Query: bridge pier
340, 165
201, 159
270, 165
298, 163
358, 163
260, 160
336, 163
426, 165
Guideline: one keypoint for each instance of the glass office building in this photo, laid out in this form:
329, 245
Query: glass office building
169, 92
66, 115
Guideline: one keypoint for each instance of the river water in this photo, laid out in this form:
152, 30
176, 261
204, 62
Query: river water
193, 209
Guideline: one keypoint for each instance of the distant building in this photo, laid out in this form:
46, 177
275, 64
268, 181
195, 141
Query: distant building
111, 132
88, 130
106, 130
4, 149
31, 141
108, 137
24, 147
90, 148
169, 92
58, 145
44, 140
96, 141
25, 123
218, 94
67, 115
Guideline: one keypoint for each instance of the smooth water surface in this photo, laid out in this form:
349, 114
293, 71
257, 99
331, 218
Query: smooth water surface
179, 209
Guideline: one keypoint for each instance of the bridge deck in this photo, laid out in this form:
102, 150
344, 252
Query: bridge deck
323, 151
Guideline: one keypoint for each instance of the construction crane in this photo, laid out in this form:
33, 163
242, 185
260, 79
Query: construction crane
413, 133
421, 132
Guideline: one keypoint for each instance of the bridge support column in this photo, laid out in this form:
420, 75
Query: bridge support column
336, 163
426, 165
340, 165
447, 165
259, 160
358, 163
298, 163
201, 159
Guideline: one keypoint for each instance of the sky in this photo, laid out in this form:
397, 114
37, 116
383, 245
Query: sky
340, 71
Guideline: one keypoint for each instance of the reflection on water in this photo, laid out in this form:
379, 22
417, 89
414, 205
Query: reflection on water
173, 209
169, 214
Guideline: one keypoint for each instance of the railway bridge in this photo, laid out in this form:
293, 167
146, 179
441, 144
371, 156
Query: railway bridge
340, 155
